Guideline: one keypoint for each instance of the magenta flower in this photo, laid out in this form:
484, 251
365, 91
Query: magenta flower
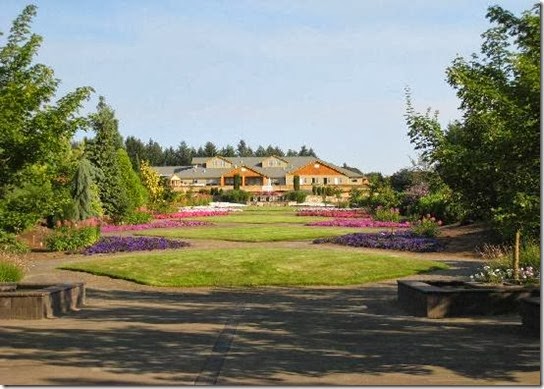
337, 213
360, 223
155, 224
192, 213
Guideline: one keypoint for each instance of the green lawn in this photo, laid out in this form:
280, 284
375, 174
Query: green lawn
254, 267
251, 232
265, 215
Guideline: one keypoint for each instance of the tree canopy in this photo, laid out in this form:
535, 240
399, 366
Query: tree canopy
36, 128
491, 156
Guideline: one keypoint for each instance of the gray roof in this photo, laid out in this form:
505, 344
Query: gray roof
293, 163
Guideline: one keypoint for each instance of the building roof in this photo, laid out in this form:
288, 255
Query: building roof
293, 163
254, 163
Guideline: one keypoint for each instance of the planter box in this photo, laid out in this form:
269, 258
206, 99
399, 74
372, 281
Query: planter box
529, 309
39, 301
438, 299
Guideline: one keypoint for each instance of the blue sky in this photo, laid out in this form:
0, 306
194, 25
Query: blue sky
322, 73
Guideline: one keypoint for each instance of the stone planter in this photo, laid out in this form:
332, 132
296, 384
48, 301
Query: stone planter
438, 299
39, 301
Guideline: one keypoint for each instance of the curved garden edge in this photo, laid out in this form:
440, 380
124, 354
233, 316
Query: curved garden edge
459, 255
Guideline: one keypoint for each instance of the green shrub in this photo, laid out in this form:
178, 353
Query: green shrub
235, 196
443, 204
296, 183
502, 255
237, 181
296, 195
529, 254
137, 217
192, 199
386, 214
10, 244
10, 272
72, 239
428, 226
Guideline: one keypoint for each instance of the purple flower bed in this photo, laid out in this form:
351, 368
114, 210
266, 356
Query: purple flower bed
114, 244
366, 222
155, 224
405, 241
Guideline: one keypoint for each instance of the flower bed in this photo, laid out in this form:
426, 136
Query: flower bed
490, 274
166, 223
114, 244
364, 222
192, 213
338, 213
405, 241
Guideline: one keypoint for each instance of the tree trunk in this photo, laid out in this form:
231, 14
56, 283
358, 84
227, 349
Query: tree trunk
516, 256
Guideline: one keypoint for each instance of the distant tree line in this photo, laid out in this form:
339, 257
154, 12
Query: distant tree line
183, 154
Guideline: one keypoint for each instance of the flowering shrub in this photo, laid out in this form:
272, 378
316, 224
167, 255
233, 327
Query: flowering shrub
192, 213
498, 275
155, 224
114, 244
334, 212
427, 226
405, 241
387, 214
359, 223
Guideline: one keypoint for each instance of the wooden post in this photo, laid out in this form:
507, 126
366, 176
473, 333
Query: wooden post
516, 256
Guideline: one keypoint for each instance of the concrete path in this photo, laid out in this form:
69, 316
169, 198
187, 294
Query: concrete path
130, 334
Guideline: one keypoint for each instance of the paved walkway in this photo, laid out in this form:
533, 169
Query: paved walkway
130, 334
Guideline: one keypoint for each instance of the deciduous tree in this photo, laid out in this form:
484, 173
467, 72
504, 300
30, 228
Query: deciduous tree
35, 130
491, 156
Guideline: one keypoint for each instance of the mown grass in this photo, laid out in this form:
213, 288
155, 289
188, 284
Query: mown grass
254, 267
252, 232
265, 215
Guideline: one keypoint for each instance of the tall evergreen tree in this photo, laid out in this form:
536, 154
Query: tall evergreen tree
136, 151
82, 190
243, 150
260, 152
130, 181
228, 151
154, 153
185, 154
102, 152
210, 150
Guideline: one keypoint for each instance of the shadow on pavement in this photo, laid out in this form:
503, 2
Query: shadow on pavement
281, 332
